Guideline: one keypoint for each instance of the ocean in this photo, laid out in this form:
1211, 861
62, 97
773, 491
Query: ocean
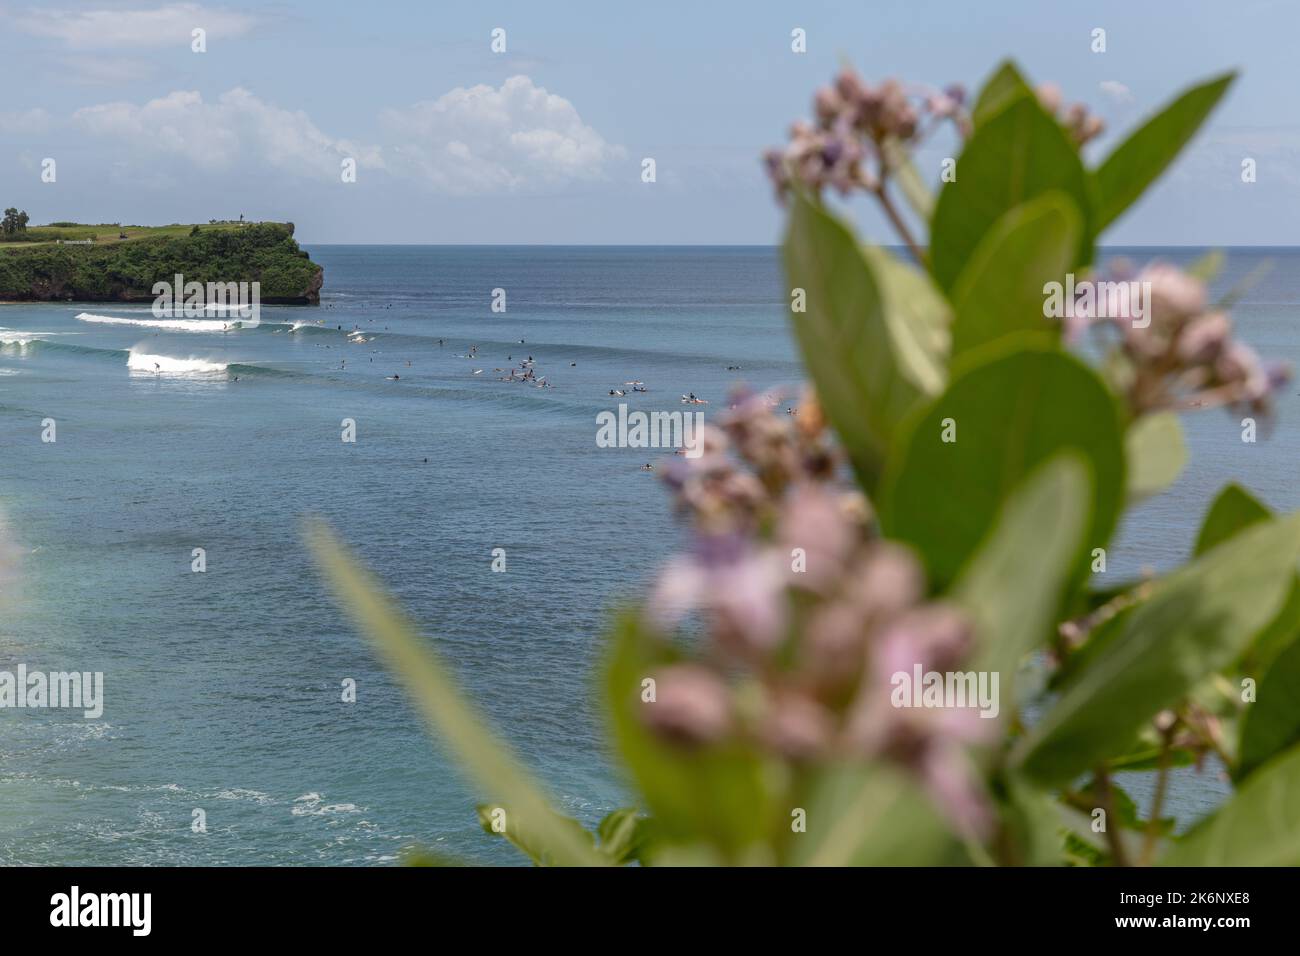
223, 688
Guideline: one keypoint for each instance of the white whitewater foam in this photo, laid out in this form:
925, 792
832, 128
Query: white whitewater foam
166, 365
18, 341
175, 325
14, 337
313, 805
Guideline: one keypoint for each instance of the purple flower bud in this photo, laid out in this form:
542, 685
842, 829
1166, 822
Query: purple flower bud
1204, 337
827, 105
1278, 372
935, 636
811, 519
1049, 95
796, 726
887, 581
748, 604
1175, 295
692, 705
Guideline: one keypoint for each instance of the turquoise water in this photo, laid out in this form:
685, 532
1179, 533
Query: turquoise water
223, 688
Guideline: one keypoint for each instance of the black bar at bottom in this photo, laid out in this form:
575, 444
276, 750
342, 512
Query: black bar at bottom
334, 905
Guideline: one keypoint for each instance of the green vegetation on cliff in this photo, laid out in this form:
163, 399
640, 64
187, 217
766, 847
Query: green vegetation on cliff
113, 269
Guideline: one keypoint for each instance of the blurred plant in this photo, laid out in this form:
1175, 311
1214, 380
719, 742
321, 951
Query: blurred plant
940, 505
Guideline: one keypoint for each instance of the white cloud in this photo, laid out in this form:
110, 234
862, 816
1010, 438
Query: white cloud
476, 140
154, 27
235, 130
482, 139
1116, 91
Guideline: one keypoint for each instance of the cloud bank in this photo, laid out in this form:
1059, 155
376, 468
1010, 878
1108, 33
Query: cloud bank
470, 141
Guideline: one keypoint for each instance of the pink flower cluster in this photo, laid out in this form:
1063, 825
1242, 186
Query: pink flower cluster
807, 614
854, 122
1078, 122
1182, 353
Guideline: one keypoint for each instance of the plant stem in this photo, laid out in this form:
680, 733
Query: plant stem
1157, 801
1117, 851
899, 225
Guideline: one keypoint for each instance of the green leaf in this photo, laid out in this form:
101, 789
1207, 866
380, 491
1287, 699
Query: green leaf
869, 816
1278, 635
422, 856
1001, 290
1196, 621
1031, 825
868, 336
1207, 267
625, 835
505, 822
1272, 722
1013, 587
1233, 510
713, 793
1260, 826
1018, 154
1138, 161
487, 760
1127, 814
1022, 405
1145, 754
910, 183
1156, 454
1080, 852
1005, 86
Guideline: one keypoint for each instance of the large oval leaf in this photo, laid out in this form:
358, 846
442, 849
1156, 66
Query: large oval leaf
1024, 404
1156, 454
1195, 622
1260, 826
1014, 584
1139, 160
872, 335
1272, 721
1232, 510
1000, 291
1016, 155
1004, 85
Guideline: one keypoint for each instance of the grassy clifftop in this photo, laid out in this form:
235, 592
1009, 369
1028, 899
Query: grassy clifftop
111, 269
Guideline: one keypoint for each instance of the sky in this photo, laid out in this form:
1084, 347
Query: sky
544, 143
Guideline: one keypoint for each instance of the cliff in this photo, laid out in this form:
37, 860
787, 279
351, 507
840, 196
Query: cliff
112, 270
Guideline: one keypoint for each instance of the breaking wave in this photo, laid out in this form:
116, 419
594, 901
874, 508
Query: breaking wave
166, 365
174, 325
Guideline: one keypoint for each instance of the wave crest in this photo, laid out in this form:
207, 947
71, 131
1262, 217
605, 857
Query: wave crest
166, 365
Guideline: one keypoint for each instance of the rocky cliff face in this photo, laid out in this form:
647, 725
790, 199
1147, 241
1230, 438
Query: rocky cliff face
263, 252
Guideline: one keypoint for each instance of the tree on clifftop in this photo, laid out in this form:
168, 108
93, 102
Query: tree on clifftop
13, 222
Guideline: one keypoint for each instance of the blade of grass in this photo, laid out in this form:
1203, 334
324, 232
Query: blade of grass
487, 759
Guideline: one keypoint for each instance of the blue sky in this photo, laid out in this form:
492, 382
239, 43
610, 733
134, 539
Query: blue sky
544, 143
